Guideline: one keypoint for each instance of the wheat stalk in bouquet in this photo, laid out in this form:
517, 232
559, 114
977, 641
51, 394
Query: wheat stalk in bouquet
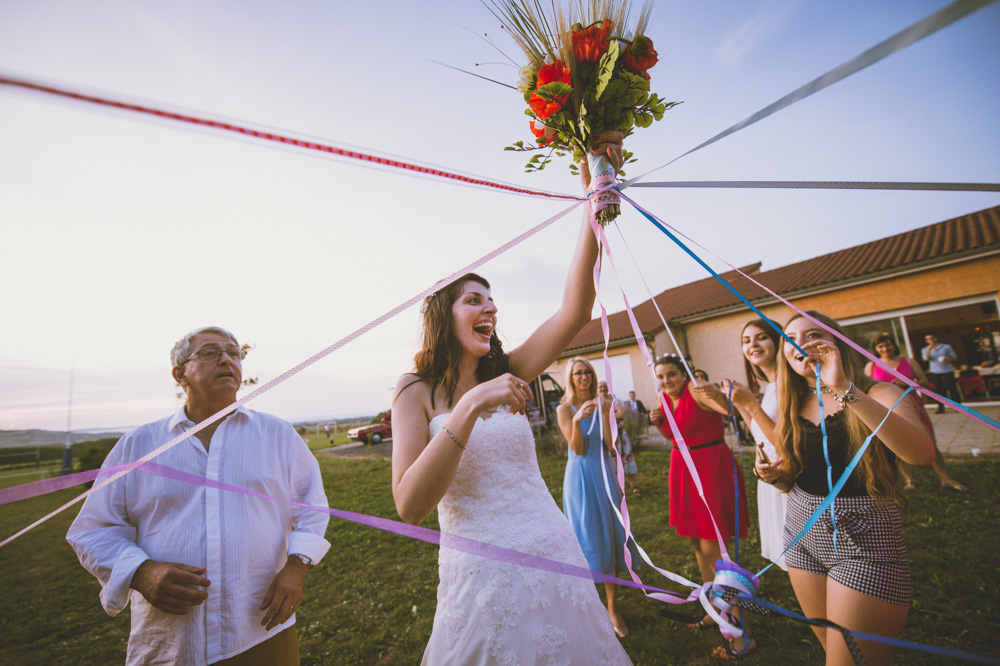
587, 73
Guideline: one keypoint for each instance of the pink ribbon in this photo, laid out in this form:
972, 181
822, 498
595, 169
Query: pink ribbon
299, 368
982, 418
278, 138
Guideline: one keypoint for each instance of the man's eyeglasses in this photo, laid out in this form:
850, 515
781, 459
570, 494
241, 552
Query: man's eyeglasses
212, 354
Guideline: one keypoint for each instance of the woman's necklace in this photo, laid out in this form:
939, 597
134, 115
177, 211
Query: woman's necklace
823, 389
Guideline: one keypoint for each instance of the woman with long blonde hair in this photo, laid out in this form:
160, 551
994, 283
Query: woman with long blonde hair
757, 402
851, 570
585, 422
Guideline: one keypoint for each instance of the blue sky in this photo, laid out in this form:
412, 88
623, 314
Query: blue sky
121, 233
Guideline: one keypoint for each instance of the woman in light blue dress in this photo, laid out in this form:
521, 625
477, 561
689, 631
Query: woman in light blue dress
585, 499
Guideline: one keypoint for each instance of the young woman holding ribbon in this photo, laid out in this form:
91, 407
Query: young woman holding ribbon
585, 499
463, 445
850, 569
885, 346
758, 405
698, 413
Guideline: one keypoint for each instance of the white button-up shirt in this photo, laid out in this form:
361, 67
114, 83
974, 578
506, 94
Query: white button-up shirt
242, 541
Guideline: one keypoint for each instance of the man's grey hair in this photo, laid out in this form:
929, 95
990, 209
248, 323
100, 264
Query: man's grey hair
182, 348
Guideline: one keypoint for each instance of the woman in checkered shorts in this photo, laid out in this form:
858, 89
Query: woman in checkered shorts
851, 570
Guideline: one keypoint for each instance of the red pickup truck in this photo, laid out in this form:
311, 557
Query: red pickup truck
374, 432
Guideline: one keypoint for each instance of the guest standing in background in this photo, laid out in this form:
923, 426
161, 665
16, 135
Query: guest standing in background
624, 443
941, 359
758, 404
885, 346
585, 497
698, 414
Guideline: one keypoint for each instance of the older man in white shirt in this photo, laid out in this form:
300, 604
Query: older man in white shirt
214, 576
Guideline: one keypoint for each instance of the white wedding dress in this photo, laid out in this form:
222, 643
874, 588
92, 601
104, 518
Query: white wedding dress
493, 612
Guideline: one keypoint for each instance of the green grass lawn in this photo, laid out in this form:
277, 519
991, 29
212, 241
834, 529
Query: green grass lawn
320, 441
371, 601
15, 476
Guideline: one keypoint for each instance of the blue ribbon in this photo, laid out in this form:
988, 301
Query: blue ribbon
708, 268
954, 654
828, 502
826, 455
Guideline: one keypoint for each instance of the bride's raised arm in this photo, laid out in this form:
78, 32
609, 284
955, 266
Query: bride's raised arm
551, 338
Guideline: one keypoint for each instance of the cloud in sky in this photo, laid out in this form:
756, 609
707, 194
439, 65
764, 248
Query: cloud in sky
746, 36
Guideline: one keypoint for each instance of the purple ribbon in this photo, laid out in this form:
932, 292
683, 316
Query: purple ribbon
35, 488
428, 535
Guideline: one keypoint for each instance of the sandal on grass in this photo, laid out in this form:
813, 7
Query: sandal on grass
953, 484
636, 492
726, 652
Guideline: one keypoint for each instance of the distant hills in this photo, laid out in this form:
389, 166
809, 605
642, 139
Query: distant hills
35, 437
9, 438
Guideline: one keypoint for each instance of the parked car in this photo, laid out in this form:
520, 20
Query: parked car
548, 393
373, 433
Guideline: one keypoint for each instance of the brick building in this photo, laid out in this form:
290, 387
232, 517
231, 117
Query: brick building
942, 279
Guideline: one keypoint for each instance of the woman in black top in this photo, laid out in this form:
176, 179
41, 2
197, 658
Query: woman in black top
851, 570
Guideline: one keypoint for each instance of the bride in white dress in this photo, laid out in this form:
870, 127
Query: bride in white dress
462, 443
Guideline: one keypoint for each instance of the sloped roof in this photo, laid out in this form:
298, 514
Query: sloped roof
967, 235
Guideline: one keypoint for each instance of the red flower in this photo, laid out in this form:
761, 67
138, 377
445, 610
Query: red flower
557, 71
640, 55
552, 91
540, 130
589, 44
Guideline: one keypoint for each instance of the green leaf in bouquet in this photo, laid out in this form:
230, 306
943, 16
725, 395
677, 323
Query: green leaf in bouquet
518, 146
606, 67
614, 90
551, 91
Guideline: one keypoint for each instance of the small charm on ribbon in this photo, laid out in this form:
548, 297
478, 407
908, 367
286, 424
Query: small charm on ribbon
605, 204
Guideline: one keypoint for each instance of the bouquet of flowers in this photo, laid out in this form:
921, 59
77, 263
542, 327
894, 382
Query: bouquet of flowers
587, 73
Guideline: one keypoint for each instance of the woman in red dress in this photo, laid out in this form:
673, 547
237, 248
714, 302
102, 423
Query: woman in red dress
698, 414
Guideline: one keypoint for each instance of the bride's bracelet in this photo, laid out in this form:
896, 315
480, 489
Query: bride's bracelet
453, 438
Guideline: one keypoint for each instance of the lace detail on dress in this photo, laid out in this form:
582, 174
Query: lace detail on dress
550, 640
490, 607
454, 619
